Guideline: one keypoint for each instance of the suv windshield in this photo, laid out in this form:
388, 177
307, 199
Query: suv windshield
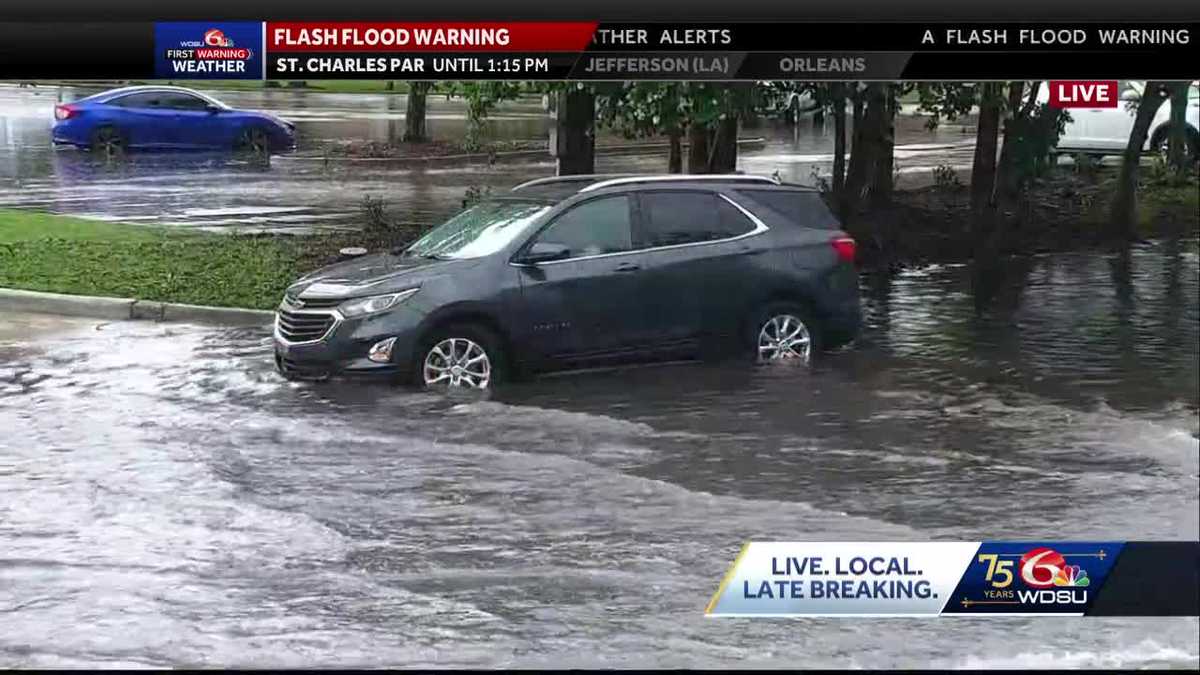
481, 230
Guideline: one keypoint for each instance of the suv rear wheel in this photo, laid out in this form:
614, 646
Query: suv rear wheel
786, 332
460, 356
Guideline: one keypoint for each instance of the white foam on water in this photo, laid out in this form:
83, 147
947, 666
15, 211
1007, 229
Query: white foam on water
1145, 654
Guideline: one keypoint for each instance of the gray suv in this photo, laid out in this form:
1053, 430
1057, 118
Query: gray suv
579, 271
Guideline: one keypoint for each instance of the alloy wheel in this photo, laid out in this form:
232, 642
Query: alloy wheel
784, 336
457, 363
253, 142
109, 142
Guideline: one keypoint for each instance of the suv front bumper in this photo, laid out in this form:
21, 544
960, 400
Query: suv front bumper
343, 349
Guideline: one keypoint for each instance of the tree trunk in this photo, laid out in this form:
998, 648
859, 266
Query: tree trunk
722, 156
1177, 151
864, 176
860, 152
697, 148
1006, 179
576, 133
675, 150
414, 115
885, 146
1123, 219
838, 96
983, 166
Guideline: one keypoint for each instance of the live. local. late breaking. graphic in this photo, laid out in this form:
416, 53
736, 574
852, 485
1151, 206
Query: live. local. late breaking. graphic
947, 578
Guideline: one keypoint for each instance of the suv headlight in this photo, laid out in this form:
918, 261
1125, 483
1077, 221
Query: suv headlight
374, 303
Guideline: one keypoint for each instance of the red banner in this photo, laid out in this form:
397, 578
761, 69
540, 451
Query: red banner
511, 36
1083, 93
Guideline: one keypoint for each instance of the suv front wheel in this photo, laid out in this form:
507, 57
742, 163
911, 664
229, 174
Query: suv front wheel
786, 332
460, 356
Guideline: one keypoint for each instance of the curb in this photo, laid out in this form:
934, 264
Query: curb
118, 309
505, 155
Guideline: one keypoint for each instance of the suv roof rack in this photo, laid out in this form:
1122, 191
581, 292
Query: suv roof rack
572, 178
682, 178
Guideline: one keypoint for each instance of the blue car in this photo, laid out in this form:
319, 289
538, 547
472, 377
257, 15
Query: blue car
167, 118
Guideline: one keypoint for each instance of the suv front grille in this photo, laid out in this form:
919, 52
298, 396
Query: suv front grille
312, 303
303, 326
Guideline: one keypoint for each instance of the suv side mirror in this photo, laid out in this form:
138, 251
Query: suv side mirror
544, 252
212, 109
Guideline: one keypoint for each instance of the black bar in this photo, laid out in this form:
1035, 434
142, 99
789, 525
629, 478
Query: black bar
109, 50
909, 36
61, 11
1135, 65
1152, 578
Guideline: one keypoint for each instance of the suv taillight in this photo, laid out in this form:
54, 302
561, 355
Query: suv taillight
62, 112
845, 248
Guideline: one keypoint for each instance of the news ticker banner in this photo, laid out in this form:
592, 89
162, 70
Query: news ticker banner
1104, 578
582, 50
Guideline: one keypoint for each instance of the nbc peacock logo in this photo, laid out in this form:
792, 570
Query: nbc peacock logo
1071, 576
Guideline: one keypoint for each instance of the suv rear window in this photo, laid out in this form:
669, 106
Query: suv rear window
801, 207
686, 217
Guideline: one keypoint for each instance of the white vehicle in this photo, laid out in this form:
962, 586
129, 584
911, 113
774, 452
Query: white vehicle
1105, 131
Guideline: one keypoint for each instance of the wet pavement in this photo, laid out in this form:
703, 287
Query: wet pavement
166, 499
292, 193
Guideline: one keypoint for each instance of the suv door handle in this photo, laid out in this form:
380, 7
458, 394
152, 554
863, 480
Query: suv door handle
627, 267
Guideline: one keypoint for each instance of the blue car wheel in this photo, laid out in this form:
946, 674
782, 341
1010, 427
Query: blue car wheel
108, 140
253, 141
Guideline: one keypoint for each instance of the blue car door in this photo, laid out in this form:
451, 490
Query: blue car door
143, 120
193, 123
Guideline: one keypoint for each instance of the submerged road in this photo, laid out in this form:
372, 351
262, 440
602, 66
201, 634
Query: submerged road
217, 192
167, 500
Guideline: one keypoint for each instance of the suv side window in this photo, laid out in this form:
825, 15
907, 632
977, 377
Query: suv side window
595, 227
686, 217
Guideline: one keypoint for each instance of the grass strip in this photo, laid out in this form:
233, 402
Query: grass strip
62, 254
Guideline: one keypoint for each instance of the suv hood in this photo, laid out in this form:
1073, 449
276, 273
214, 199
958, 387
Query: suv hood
371, 275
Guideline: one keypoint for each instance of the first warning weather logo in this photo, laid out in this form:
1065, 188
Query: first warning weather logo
198, 50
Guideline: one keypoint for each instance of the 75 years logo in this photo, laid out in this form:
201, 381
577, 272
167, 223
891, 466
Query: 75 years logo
1032, 578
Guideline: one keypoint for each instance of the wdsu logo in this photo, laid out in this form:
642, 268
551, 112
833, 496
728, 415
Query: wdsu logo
213, 50
1033, 578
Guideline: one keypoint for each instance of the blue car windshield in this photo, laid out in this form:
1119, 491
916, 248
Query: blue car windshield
481, 230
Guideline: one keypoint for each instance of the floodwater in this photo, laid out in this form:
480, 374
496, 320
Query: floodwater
167, 500
301, 192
